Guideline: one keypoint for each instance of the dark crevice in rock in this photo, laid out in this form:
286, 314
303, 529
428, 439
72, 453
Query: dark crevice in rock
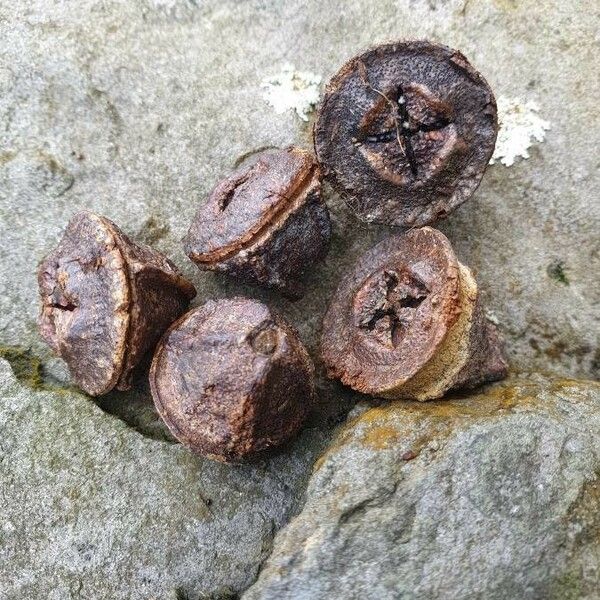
221, 594
135, 407
358, 510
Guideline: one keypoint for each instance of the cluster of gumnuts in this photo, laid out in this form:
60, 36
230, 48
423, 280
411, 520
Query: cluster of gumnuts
404, 134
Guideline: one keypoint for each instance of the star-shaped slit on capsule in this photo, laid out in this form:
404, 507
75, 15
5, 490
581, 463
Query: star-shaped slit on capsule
404, 128
393, 302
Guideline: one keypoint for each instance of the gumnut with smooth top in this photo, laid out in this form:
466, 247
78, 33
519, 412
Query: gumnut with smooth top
266, 224
106, 301
232, 380
408, 323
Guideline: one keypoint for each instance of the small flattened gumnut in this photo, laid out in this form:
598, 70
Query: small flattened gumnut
407, 322
265, 224
405, 132
232, 380
106, 301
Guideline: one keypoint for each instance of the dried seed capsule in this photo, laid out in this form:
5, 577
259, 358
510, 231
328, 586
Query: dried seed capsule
407, 322
230, 379
265, 224
106, 301
405, 132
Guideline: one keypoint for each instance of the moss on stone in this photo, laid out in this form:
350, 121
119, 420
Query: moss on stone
152, 231
6, 157
567, 587
25, 365
556, 271
29, 370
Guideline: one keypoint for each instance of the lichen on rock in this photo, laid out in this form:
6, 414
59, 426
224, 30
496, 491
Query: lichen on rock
520, 128
292, 90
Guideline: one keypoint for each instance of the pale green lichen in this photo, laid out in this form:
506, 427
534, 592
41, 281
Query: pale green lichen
567, 587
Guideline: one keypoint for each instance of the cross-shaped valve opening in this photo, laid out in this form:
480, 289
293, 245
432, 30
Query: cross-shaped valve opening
405, 126
389, 305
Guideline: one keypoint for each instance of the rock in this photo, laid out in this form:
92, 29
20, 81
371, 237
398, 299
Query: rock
92, 509
134, 109
489, 496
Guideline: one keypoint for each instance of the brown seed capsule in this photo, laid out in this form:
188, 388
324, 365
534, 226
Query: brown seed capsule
230, 379
405, 132
407, 322
106, 301
265, 224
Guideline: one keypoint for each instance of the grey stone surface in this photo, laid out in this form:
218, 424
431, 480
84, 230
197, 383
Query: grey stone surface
134, 109
90, 508
491, 496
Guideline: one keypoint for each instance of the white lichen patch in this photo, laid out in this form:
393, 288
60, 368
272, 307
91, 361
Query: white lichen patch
491, 316
292, 90
520, 128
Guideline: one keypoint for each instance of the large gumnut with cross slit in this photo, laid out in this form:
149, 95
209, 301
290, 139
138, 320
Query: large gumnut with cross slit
408, 323
106, 301
405, 132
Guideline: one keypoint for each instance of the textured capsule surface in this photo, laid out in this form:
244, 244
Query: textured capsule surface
265, 224
407, 322
232, 380
405, 132
106, 301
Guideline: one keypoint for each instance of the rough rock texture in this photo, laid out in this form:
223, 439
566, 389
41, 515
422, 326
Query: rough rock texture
492, 496
92, 509
136, 108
